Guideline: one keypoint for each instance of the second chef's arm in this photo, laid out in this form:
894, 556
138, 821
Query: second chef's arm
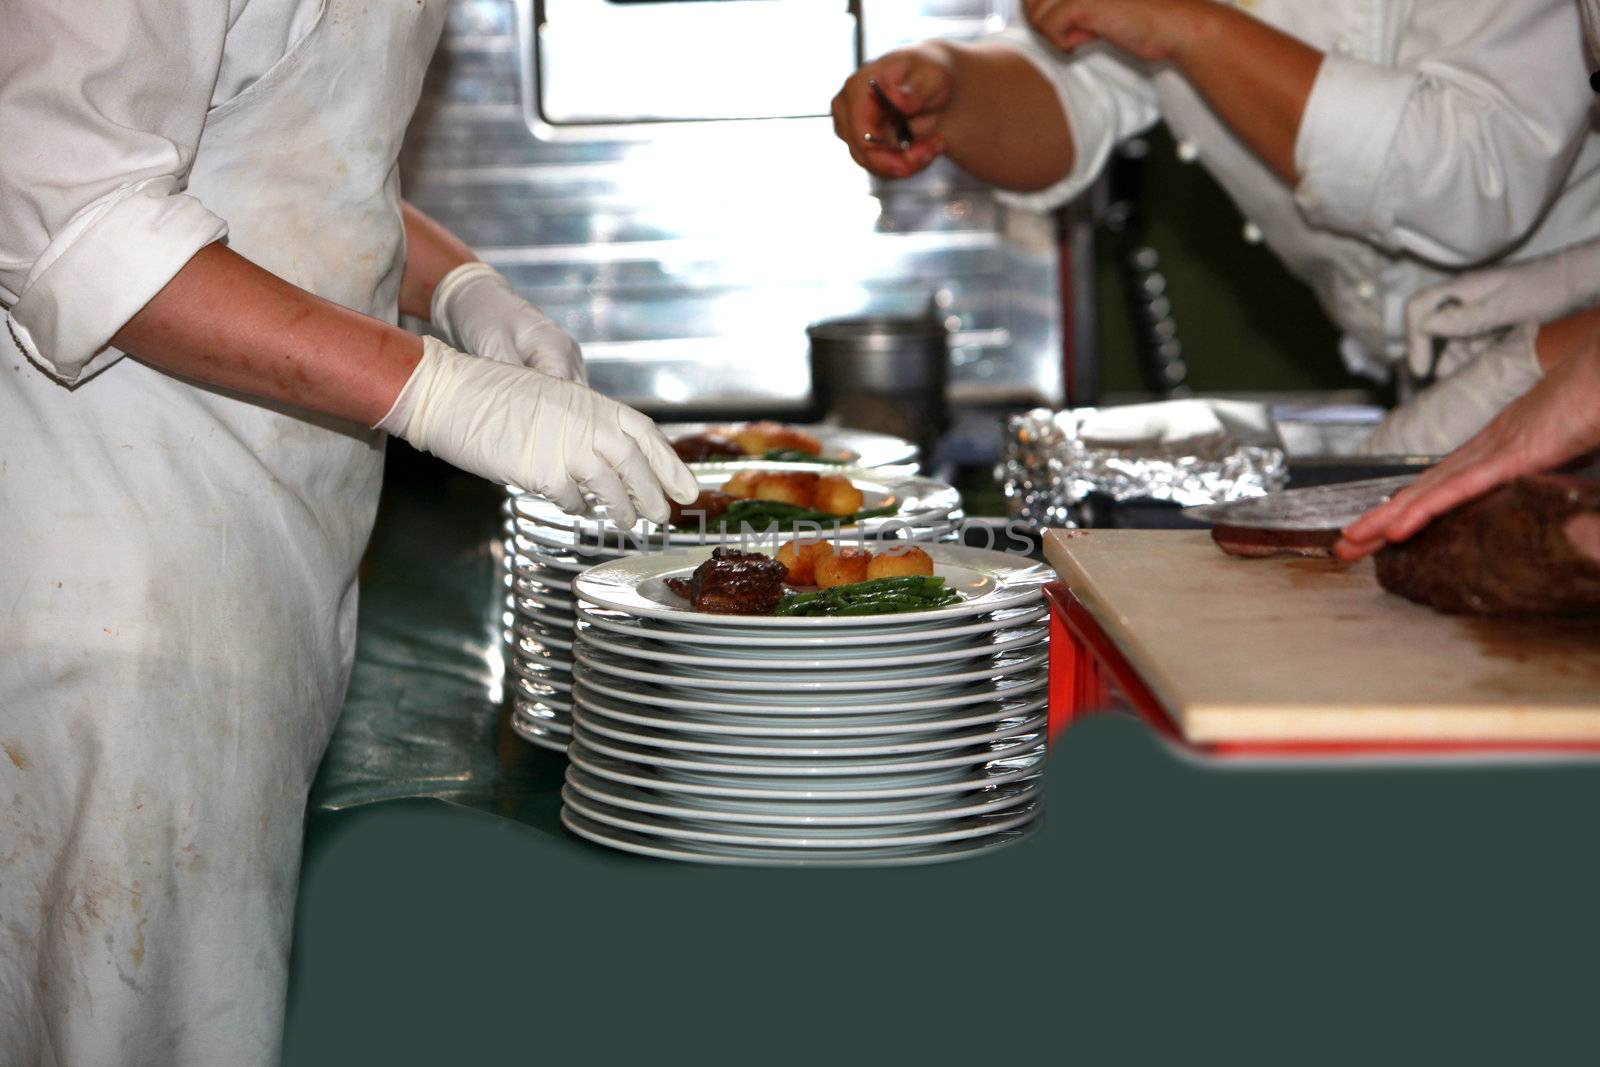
432, 252
1256, 78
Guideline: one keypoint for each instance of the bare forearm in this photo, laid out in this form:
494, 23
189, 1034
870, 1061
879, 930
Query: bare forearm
431, 252
1559, 339
1256, 78
1004, 124
225, 321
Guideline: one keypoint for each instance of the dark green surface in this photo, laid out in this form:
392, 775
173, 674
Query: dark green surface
1169, 913
1246, 323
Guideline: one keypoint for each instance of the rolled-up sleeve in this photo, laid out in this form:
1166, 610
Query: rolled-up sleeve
1455, 151
101, 108
1106, 98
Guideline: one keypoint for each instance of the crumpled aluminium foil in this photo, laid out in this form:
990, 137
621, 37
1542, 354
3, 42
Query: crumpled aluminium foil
1184, 451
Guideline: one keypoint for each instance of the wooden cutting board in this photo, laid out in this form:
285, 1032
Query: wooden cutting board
1287, 650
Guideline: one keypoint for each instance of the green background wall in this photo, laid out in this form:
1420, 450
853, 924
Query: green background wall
1245, 322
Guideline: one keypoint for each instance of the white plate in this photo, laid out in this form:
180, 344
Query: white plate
869, 725
780, 769
554, 618
802, 813
667, 633
840, 680
593, 718
532, 545
860, 447
547, 708
534, 642
555, 685
644, 845
1009, 687
537, 734
987, 581
536, 665
919, 502
799, 837
971, 780
771, 659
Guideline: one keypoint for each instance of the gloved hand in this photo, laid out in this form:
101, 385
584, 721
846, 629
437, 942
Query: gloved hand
1538, 290
552, 437
477, 311
1441, 417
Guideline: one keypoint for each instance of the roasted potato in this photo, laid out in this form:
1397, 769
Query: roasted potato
757, 437
788, 437
837, 496
842, 566
801, 558
789, 487
742, 485
895, 563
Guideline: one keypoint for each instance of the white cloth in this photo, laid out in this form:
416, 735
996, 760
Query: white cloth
475, 309
1489, 375
179, 597
1533, 292
551, 436
1439, 134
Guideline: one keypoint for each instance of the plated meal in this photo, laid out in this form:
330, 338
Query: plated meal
774, 441
772, 498
761, 499
815, 578
887, 586
756, 440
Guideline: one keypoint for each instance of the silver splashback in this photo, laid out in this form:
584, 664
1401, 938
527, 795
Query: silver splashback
602, 155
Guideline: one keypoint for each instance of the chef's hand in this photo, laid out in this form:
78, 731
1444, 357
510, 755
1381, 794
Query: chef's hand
1146, 29
477, 311
1555, 421
920, 81
1442, 417
1467, 306
553, 437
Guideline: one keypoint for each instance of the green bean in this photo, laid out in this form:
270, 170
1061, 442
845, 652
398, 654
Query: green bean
794, 455
877, 596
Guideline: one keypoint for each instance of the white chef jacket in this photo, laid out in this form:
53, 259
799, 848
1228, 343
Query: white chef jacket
94, 219
1439, 134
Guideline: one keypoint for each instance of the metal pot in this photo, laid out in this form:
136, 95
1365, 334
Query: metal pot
883, 373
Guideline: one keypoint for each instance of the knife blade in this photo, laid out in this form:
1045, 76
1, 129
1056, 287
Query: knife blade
1321, 507
897, 118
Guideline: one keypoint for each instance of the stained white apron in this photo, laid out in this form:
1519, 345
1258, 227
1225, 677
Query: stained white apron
178, 603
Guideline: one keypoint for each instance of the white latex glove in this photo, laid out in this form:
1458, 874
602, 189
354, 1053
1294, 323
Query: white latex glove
477, 311
1443, 416
548, 436
1539, 290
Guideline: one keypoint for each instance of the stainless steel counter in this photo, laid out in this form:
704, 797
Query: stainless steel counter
688, 256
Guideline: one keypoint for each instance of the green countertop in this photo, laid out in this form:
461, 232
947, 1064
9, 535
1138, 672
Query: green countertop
1168, 913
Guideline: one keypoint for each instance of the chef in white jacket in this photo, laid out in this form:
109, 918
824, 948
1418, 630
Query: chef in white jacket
202, 255
1377, 147
1555, 420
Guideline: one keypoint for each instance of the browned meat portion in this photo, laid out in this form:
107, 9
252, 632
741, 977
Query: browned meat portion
1257, 543
698, 447
706, 508
734, 583
1529, 548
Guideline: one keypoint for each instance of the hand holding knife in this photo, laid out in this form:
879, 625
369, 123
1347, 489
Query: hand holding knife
896, 117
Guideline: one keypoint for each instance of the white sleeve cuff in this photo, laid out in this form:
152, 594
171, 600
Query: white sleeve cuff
101, 269
1346, 135
1105, 101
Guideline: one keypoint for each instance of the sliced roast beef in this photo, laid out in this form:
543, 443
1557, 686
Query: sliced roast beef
1528, 548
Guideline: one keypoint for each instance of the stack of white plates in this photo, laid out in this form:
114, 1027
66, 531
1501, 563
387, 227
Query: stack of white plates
545, 549
772, 740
